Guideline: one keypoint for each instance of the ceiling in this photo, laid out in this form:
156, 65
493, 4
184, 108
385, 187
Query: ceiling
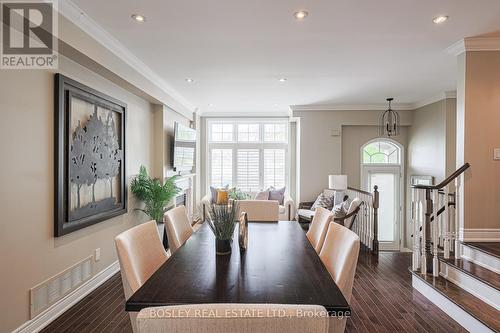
346, 52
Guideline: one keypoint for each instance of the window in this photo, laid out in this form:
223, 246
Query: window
222, 132
248, 132
249, 154
274, 168
221, 167
248, 170
381, 152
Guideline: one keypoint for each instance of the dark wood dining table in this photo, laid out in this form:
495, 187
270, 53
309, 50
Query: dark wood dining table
279, 267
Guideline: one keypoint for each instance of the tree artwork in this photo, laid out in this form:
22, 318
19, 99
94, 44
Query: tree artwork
95, 154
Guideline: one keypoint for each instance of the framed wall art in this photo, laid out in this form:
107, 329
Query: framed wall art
90, 179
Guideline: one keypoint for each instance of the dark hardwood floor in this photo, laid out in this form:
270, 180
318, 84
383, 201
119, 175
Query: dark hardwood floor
383, 301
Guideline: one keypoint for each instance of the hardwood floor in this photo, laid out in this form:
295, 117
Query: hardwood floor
383, 301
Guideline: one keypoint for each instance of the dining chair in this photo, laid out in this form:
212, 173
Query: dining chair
339, 254
259, 210
319, 226
231, 318
178, 227
140, 254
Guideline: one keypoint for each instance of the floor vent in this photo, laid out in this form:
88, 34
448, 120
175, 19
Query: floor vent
52, 290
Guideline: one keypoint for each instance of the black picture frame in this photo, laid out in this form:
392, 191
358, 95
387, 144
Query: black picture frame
65, 89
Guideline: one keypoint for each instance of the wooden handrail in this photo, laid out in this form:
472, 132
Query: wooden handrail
445, 182
360, 191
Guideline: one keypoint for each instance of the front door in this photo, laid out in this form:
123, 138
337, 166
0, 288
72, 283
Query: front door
387, 178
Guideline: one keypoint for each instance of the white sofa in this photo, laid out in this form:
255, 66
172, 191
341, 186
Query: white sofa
286, 211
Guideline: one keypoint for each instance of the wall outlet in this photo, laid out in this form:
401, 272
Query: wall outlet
496, 154
97, 254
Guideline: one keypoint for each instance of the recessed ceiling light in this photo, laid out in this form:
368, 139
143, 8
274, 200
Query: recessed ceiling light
440, 19
300, 15
210, 105
283, 79
138, 18
189, 80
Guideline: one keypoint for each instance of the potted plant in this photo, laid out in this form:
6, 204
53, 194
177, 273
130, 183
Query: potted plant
222, 221
153, 193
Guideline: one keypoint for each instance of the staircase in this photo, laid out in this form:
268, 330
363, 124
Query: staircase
463, 279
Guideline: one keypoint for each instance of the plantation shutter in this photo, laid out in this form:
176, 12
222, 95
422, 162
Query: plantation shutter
248, 169
221, 167
274, 168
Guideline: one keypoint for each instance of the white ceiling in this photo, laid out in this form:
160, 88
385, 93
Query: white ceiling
346, 52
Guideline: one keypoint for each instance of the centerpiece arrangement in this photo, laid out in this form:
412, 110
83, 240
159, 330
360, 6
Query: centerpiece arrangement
222, 221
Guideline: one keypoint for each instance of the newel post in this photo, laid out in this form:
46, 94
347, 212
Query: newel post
375, 219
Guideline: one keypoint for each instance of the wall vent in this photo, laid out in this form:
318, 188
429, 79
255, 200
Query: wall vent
43, 295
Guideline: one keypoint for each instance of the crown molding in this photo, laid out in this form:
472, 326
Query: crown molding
351, 107
474, 44
76, 15
238, 114
434, 99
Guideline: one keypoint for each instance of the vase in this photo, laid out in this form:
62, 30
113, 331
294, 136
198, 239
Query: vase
222, 247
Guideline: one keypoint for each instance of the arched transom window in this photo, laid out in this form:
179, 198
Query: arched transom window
381, 152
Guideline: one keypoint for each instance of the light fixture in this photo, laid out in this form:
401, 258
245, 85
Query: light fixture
283, 79
138, 18
389, 121
440, 19
189, 80
300, 15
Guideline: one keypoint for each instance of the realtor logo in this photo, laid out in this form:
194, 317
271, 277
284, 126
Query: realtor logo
28, 33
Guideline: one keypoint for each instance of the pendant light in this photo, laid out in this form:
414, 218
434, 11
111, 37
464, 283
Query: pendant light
389, 121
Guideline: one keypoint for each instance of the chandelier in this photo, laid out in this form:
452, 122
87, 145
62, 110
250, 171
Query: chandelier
389, 122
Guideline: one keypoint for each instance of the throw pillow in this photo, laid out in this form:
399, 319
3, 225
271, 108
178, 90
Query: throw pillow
340, 210
323, 201
278, 194
222, 197
262, 195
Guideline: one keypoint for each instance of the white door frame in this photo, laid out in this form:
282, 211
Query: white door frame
381, 168
396, 171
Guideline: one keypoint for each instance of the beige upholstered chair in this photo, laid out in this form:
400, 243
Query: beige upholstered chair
319, 226
340, 256
178, 227
232, 318
259, 210
140, 253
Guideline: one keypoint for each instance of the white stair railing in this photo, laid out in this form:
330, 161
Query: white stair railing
436, 222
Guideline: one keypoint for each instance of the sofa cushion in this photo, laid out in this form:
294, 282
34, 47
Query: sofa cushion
213, 193
262, 195
324, 201
277, 194
222, 197
306, 213
282, 209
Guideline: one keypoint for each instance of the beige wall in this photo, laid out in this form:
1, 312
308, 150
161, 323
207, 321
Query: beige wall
320, 152
481, 132
30, 252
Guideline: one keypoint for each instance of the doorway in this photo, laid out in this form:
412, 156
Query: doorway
381, 165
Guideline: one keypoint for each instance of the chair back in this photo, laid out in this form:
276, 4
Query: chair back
340, 256
178, 227
140, 254
231, 318
355, 204
319, 226
259, 210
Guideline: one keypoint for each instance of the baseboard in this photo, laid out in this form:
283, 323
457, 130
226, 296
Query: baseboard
52, 313
479, 235
465, 320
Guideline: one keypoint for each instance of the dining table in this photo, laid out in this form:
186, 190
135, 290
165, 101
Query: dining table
279, 266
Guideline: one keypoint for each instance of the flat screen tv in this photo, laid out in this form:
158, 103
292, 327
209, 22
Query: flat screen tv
184, 147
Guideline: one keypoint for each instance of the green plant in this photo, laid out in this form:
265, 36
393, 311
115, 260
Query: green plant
237, 194
222, 220
153, 193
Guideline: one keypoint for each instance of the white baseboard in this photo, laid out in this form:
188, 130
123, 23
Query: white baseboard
52, 313
467, 321
479, 235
